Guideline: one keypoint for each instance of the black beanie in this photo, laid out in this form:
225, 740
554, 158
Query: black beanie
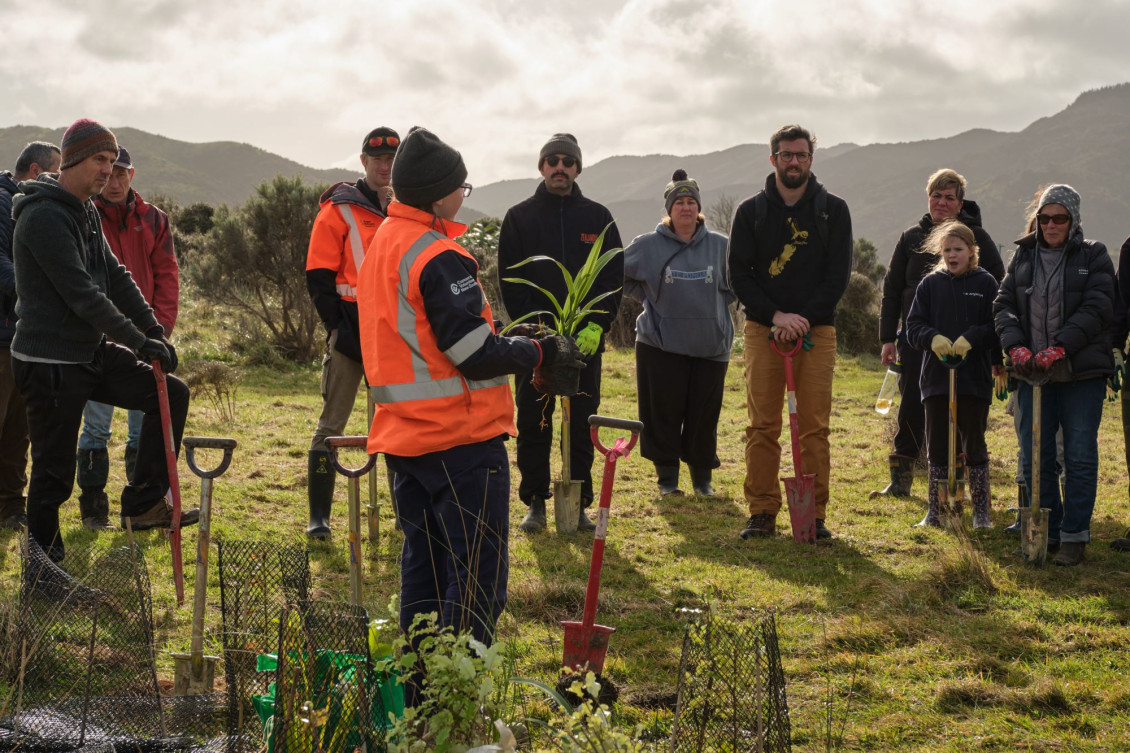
381, 140
680, 185
561, 143
425, 169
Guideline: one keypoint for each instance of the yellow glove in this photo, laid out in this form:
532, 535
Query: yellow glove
941, 345
961, 346
1000, 385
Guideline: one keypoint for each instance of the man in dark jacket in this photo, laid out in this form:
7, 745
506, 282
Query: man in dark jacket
790, 262
37, 157
73, 295
559, 222
945, 196
1120, 330
1053, 315
141, 239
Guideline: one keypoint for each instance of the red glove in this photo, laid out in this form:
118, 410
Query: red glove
1048, 356
1021, 359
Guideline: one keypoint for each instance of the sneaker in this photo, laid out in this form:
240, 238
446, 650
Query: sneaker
1070, 553
821, 531
761, 526
160, 515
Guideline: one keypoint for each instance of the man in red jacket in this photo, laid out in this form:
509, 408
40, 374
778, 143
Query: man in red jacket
141, 239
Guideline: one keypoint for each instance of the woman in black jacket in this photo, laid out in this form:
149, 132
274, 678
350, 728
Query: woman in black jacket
1052, 316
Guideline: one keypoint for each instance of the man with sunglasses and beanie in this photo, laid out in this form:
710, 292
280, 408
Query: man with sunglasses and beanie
438, 372
790, 258
558, 221
85, 333
343, 230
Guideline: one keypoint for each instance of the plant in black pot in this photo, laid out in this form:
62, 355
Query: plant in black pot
567, 315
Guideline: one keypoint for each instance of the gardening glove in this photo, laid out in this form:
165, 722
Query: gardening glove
1047, 357
558, 350
942, 346
588, 339
530, 330
158, 350
806, 342
961, 347
1119, 374
1021, 359
1000, 383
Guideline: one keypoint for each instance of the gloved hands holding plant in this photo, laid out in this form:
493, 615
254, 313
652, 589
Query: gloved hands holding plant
560, 351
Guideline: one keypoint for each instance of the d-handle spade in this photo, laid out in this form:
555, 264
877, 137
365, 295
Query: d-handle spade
952, 496
1034, 519
333, 444
194, 673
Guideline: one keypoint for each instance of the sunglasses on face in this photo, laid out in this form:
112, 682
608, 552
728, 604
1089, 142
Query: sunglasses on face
553, 159
1055, 219
382, 140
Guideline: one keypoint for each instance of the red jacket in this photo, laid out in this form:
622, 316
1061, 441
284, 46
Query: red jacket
141, 239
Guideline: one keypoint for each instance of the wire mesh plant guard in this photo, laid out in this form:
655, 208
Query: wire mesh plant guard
327, 696
87, 672
731, 688
257, 580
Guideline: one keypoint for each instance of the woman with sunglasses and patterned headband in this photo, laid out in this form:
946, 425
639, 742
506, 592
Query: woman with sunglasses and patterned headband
1053, 315
683, 337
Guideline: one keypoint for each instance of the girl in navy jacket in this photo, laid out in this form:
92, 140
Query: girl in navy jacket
952, 315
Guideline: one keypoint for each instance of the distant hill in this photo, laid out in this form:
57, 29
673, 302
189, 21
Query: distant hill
1086, 145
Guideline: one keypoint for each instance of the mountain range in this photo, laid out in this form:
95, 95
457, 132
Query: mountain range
1087, 145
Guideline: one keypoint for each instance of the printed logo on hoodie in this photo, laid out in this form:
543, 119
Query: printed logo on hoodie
800, 238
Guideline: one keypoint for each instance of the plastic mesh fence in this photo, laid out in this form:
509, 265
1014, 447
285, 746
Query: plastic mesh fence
731, 688
258, 580
327, 696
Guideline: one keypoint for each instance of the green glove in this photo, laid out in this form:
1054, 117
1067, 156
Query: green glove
588, 339
941, 345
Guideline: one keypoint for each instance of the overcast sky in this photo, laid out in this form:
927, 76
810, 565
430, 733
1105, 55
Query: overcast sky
495, 78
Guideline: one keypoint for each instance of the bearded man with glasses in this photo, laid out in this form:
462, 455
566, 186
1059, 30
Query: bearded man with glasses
1053, 316
559, 222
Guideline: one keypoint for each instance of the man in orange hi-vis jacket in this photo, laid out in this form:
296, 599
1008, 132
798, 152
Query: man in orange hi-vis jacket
346, 223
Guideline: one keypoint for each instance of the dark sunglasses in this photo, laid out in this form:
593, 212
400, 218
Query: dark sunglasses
1055, 219
553, 159
382, 140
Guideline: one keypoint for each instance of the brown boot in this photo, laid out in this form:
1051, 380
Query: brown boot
160, 515
763, 525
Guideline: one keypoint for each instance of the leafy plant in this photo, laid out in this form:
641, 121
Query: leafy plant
586, 728
568, 314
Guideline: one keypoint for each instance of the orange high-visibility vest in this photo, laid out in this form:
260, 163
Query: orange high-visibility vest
423, 403
343, 230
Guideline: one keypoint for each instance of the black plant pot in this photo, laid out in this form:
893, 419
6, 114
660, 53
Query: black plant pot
559, 379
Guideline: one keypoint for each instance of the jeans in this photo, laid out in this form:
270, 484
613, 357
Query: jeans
96, 421
1077, 408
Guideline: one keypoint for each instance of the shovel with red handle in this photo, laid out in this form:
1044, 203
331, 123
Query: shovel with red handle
586, 643
800, 490
174, 484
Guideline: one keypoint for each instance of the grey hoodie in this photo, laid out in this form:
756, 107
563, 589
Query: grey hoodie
684, 291
70, 288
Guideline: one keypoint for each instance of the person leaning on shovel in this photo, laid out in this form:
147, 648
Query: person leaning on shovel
1052, 315
438, 375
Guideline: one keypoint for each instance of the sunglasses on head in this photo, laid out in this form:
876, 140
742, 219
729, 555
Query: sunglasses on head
553, 159
1055, 219
382, 140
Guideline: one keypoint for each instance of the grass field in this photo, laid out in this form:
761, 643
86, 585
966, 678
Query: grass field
892, 637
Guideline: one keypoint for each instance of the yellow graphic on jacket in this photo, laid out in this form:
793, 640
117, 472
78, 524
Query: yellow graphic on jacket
800, 238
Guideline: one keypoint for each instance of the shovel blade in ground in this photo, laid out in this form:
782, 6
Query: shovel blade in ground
566, 505
801, 497
585, 649
950, 503
1034, 534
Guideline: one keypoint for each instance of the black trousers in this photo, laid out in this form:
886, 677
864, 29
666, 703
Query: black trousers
55, 394
972, 419
680, 399
911, 433
535, 433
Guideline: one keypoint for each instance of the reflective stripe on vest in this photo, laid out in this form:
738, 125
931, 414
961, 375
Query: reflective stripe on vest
424, 387
355, 244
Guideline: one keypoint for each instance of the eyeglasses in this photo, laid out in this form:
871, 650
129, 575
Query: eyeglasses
466, 189
800, 157
382, 140
1055, 219
553, 159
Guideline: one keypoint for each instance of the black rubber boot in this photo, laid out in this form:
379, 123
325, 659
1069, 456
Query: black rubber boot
1021, 503
938, 476
981, 495
131, 462
320, 478
535, 518
583, 522
667, 475
93, 504
902, 477
701, 481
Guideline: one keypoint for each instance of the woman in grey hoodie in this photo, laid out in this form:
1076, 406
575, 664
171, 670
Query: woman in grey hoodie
683, 337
